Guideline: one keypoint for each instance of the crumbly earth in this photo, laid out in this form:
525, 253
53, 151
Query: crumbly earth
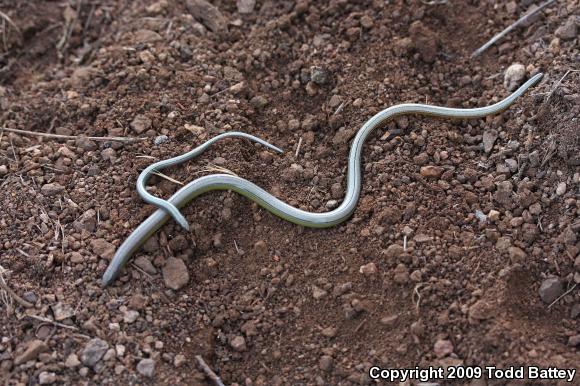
463, 248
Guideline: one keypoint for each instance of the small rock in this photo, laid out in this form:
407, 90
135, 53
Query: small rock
493, 215
431, 171
401, 274
368, 269
259, 101
145, 36
421, 159
319, 75
568, 30
334, 101
146, 367
325, 363
140, 123
87, 221
160, 139
51, 189
550, 289
575, 311
517, 255
443, 348
208, 14
46, 378
514, 76
130, 316
246, 6
30, 297
238, 88
574, 340
561, 189
394, 250
179, 360
238, 343
3, 170
151, 245
145, 264
94, 351
341, 289
535, 209
103, 248
318, 293
480, 310
85, 144
261, 248
489, 138
512, 165
34, 348
72, 361
138, 301
329, 332
109, 154
480, 216
389, 321
422, 238
249, 328
366, 22
175, 274
62, 311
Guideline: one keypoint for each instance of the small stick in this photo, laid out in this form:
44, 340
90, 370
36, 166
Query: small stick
13, 294
561, 296
500, 35
208, 371
298, 147
46, 320
61, 136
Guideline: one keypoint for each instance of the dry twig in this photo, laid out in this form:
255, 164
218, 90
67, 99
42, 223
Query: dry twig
500, 35
61, 136
208, 371
7, 19
46, 320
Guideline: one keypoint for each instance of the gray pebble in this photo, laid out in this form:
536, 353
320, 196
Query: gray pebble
550, 289
160, 139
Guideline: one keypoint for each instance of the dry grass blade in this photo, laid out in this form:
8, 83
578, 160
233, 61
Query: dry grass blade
558, 83
168, 178
10, 292
9, 21
218, 169
561, 296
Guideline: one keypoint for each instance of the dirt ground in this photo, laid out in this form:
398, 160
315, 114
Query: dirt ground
463, 249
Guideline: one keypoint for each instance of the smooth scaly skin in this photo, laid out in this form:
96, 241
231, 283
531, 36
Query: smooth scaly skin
265, 199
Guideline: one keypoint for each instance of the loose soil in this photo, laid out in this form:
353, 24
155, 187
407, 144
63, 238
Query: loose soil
466, 231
